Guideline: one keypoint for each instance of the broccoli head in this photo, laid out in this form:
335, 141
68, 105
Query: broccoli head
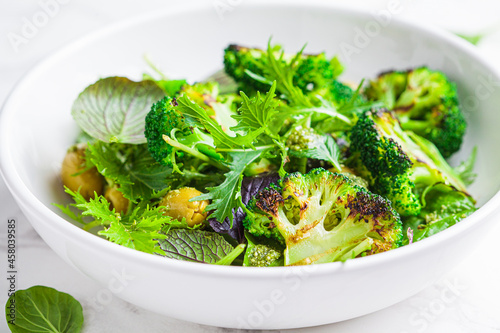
401, 163
323, 217
426, 102
311, 71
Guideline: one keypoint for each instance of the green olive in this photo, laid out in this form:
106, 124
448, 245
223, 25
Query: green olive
77, 178
116, 199
178, 206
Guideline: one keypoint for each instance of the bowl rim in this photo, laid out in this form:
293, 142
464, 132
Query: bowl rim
21, 192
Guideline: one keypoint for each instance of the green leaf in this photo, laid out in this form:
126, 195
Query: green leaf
276, 69
226, 196
43, 309
195, 245
466, 169
142, 235
444, 206
222, 139
114, 109
171, 87
131, 167
256, 114
473, 39
327, 150
228, 259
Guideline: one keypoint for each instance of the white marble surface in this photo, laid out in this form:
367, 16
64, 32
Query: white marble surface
465, 300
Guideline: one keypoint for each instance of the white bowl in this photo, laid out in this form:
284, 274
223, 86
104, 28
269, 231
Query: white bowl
36, 128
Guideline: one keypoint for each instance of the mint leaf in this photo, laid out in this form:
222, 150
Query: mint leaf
43, 309
195, 245
227, 195
327, 150
113, 109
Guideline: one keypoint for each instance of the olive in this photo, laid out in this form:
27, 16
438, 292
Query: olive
76, 177
116, 199
178, 206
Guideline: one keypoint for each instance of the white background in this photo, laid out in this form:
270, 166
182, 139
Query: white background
466, 300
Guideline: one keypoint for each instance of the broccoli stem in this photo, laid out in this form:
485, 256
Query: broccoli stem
194, 152
228, 259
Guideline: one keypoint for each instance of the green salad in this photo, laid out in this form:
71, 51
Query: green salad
272, 161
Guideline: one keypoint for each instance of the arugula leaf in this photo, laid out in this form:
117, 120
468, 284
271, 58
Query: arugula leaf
131, 167
195, 245
444, 207
466, 169
113, 109
139, 229
276, 69
43, 309
327, 150
227, 195
256, 114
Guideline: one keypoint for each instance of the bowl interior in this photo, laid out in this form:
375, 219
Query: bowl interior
41, 128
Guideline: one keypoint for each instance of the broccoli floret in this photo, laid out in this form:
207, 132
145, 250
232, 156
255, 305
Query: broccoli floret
165, 119
311, 71
341, 95
401, 163
323, 217
302, 138
426, 102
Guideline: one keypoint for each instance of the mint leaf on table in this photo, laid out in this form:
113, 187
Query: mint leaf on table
43, 309
195, 245
113, 109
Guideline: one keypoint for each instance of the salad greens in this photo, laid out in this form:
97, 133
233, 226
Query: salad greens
273, 161
43, 309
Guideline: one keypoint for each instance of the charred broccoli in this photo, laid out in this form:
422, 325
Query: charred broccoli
323, 217
426, 102
401, 163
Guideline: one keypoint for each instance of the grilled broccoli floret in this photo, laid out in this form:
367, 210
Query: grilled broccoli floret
401, 163
323, 217
426, 102
311, 71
